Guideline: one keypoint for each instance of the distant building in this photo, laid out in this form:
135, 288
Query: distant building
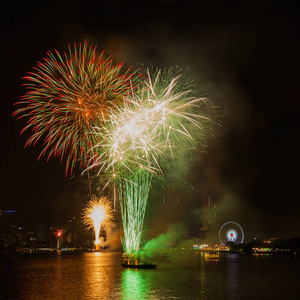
8, 228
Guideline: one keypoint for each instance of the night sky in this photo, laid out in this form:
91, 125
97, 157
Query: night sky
243, 54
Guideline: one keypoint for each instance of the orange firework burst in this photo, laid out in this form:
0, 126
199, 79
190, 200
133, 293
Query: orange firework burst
68, 95
97, 214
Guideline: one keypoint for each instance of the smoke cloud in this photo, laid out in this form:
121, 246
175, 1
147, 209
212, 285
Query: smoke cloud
113, 241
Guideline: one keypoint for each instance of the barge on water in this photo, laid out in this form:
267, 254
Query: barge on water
212, 255
138, 266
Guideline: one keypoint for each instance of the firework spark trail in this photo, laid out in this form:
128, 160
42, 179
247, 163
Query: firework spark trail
97, 214
133, 201
68, 94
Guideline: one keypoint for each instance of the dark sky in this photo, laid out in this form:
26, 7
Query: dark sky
244, 54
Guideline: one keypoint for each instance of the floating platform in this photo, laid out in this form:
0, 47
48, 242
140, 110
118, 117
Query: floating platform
138, 266
212, 255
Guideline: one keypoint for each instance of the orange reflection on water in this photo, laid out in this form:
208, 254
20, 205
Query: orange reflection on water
100, 275
66, 276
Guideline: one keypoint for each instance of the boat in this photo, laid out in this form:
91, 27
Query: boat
138, 266
212, 255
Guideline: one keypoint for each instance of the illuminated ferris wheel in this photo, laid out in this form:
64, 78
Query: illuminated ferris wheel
231, 232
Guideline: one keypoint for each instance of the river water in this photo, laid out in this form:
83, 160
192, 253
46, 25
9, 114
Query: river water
100, 276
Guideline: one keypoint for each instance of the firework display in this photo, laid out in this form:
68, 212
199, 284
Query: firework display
154, 125
150, 126
97, 215
126, 129
68, 94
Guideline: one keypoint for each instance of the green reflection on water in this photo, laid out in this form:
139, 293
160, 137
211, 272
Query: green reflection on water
134, 285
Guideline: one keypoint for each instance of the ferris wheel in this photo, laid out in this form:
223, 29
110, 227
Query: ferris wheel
231, 232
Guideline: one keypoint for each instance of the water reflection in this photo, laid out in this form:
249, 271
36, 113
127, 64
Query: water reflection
61, 276
100, 276
232, 276
202, 278
134, 285
46, 279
